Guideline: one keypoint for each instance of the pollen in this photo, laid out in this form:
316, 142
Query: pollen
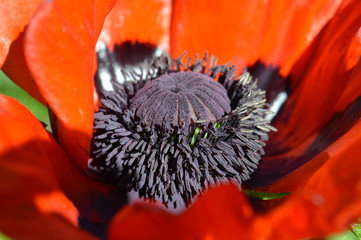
172, 132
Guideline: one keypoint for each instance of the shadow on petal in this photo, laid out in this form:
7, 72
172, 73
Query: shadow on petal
277, 167
40, 177
16, 69
32, 202
317, 81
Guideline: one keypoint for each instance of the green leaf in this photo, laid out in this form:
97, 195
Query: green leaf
265, 195
3, 237
348, 235
356, 229
7, 87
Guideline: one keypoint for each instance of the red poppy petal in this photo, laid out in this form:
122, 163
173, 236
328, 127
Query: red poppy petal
16, 68
14, 17
144, 21
318, 82
290, 27
211, 26
208, 218
263, 29
32, 204
60, 50
353, 87
302, 161
330, 200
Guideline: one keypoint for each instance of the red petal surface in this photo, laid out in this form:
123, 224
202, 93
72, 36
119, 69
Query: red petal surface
353, 87
318, 82
144, 21
331, 198
222, 213
16, 68
32, 204
14, 16
60, 48
226, 29
242, 31
290, 27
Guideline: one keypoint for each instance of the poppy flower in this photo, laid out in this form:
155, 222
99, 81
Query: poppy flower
307, 51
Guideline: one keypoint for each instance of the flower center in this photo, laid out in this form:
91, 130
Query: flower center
172, 131
181, 99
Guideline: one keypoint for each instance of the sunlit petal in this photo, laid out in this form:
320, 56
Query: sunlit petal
60, 48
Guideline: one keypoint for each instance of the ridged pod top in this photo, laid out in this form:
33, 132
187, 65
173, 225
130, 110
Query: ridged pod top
181, 99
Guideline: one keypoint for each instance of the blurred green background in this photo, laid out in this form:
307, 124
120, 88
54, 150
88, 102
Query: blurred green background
7, 87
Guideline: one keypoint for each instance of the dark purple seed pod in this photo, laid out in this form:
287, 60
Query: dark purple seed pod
181, 99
